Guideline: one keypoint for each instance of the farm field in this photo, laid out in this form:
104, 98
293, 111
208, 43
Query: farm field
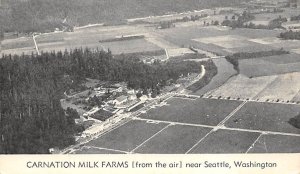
281, 88
265, 117
258, 67
283, 59
217, 39
242, 87
276, 144
19, 43
19, 51
225, 71
297, 97
132, 46
147, 136
251, 48
176, 139
125, 139
200, 111
226, 141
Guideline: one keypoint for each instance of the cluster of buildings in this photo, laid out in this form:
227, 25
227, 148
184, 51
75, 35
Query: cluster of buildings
121, 99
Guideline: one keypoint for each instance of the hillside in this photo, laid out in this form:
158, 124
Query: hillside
39, 15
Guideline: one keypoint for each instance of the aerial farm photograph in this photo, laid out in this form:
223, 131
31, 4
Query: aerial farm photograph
149, 76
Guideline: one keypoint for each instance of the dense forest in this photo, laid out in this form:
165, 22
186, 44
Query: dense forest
41, 15
31, 117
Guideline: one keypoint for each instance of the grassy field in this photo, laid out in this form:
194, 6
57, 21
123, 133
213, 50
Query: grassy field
131, 46
297, 97
176, 139
276, 144
200, 111
251, 48
128, 136
226, 141
266, 117
23, 42
243, 87
284, 87
220, 40
258, 67
283, 59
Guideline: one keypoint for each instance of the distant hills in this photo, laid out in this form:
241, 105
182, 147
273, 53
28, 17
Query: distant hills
39, 15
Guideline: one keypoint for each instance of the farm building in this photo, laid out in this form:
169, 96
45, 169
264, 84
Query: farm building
120, 100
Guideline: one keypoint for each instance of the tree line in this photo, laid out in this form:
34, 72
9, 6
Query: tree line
290, 35
31, 87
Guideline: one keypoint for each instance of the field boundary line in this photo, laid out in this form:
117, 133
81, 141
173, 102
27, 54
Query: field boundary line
150, 138
218, 126
253, 144
102, 148
175, 123
262, 131
232, 113
195, 145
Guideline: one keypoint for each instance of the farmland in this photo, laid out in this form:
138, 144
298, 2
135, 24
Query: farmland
243, 132
242, 87
276, 144
226, 141
125, 133
200, 111
174, 140
244, 108
265, 116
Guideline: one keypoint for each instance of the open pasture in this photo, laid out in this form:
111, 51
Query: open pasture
297, 97
130, 46
19, 43
283, 59
227, 41
127, 137
20, 51
226, 141
259, 67
242, 87
200, 111
284, 87
276, 144
251, 48
176, 139
265, 117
